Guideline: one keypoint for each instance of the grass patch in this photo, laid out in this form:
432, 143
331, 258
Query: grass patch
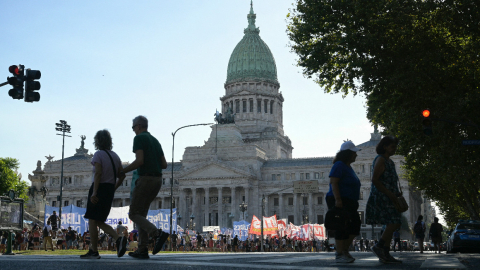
60, 252
81, 252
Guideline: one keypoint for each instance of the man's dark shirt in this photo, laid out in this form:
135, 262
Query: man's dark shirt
152, 153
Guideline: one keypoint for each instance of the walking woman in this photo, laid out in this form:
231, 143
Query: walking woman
107, 166
344, 193
381, 205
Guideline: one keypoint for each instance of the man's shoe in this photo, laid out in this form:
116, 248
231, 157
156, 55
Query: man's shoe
139, 255
379, 252
90, 255
391, 259
159, 241
121, 246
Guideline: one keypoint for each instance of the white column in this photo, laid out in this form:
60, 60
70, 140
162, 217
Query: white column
182, 208
207, 207
311, 208
295, 209
220, 207
194, 204
267, 214
233, 205
280, 204
247, 201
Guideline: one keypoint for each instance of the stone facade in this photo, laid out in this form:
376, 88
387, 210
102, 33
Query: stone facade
239, 162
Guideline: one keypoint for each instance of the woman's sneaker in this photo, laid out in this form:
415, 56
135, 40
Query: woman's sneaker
379, 252
346, 253
391, 259
90, 255
342, 258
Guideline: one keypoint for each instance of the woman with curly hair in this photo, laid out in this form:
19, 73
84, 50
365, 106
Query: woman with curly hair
106, 167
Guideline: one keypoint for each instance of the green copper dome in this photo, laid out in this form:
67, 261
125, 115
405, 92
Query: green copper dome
251, 60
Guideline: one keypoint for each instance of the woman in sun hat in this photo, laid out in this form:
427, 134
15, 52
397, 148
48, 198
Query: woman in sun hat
344, 193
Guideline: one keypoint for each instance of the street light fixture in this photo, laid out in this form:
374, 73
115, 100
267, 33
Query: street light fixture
192, 225
64, 128
243, 207
171, 180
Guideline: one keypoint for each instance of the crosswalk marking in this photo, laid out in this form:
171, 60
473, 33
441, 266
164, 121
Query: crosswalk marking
442, 262
289, 260
370, 261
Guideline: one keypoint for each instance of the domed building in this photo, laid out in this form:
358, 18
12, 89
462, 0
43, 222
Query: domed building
241, 161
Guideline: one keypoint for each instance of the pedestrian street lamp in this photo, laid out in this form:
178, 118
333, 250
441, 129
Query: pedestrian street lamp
243, 207
171, 180
261, 220
64, 128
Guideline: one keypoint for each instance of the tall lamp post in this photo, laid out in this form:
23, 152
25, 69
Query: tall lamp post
171, 180
261, 220
243, 207
64, 128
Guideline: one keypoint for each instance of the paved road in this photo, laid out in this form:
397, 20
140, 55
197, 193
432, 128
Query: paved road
205, 261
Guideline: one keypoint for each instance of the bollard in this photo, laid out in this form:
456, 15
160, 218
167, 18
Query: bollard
10, 238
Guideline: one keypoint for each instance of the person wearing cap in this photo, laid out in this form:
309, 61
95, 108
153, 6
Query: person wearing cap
383, 198
344, 192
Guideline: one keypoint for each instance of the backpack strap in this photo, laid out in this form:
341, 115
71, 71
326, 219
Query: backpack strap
113, 166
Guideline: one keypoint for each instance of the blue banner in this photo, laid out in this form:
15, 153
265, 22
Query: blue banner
161, 218
73, 216
240, 228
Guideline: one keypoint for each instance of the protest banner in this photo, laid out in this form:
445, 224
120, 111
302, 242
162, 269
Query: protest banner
319, 231
240, 228
73, 216
255, 226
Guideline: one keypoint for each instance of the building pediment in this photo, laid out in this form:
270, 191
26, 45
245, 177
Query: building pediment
214, 170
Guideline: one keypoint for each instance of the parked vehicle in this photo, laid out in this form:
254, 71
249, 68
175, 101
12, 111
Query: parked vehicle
465, 237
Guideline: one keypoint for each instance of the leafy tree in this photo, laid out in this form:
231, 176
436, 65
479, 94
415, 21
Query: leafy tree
405, 56
10, 180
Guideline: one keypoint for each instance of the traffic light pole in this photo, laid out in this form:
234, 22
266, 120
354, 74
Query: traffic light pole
2, 84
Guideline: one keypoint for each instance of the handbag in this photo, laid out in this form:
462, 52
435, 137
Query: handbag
402, 203
336, 219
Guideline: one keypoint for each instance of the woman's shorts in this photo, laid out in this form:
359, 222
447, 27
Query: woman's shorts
36, 239
59, 242
101, 210
353, 227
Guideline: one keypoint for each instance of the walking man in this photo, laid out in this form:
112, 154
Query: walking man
47, 235
149, 162
53, 220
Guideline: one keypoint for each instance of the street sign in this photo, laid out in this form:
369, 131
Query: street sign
211, 228
305, 186
471, 142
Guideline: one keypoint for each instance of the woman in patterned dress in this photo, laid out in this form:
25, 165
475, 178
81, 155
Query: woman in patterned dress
383, 197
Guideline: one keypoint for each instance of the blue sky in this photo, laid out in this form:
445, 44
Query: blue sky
105, 62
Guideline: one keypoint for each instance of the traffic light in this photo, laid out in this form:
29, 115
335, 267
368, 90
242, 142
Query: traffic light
427, 123
16, 81
31, 85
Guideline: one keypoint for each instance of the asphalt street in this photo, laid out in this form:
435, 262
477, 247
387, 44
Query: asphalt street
271, 260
